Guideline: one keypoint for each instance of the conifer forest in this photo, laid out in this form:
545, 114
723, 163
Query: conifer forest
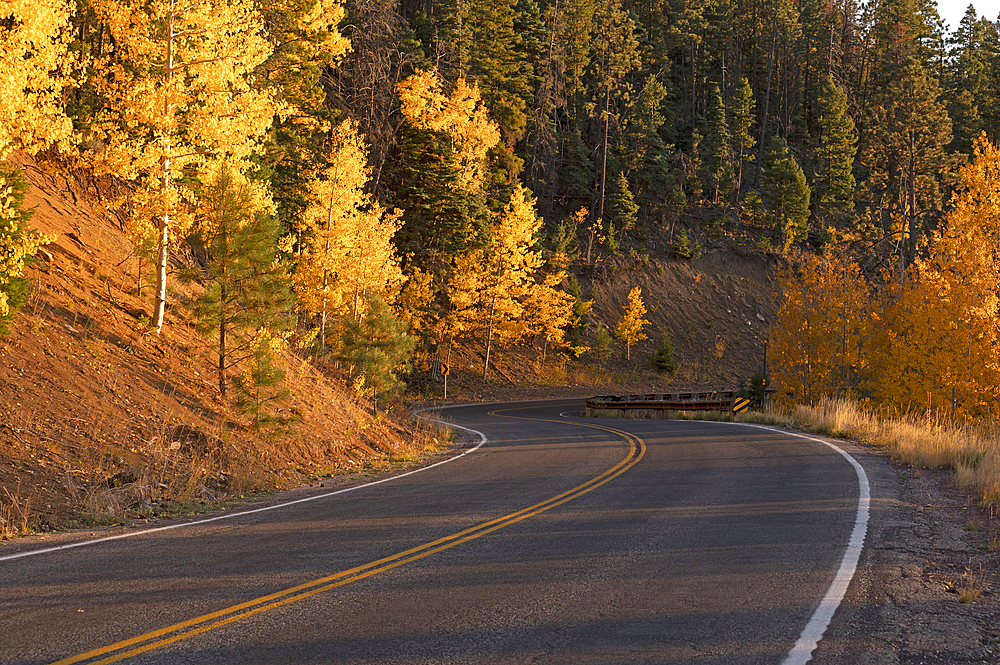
393, 177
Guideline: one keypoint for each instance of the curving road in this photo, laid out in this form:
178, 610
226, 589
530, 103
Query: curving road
560, 540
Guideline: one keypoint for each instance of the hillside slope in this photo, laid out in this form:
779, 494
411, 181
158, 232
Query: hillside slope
102, 420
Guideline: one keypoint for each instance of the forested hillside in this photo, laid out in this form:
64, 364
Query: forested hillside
388, 166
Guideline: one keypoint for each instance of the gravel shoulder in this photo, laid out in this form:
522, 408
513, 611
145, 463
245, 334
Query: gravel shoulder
927, 543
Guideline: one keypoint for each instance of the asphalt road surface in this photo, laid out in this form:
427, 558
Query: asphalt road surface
559, 540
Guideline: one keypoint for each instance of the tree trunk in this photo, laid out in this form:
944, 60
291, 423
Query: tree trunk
163, 224
604, 164
767, 100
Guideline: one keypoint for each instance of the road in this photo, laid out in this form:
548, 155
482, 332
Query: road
559, 540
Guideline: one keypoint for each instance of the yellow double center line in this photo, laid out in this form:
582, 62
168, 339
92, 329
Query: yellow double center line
202, 624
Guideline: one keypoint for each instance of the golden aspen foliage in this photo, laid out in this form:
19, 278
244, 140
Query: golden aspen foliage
347, 253
34, 35
549, 309
629, 327
509, 263
939, 346
818, 345
177, 91
461, 116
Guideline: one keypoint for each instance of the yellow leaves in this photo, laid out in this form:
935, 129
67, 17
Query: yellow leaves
347, 249
33, 55
931, 342
821, 325
323, 19
629, 327
460, 116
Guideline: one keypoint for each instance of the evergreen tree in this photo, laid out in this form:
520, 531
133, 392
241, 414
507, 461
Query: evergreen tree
442, 169
966, 83
664, 360
906, 167
716, 163
246, 284
581, 309
622, 209
743, 114
834, 182
650, 155
578, 173
785, 194
259, 387
377, 348
18, 246
602, 342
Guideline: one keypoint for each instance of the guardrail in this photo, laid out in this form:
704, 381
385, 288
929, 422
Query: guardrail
711, 400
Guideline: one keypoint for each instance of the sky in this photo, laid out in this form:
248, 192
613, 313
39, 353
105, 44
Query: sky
952, 11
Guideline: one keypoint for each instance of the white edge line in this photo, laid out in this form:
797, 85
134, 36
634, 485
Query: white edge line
227, 516
801, 653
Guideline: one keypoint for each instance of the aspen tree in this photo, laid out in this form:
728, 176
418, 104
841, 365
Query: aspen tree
509, 262
178, 92
33, 50
346, 248
629, 327
939, 345
819, 345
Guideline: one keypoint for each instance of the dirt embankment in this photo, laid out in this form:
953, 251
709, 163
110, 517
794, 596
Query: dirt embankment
102, 420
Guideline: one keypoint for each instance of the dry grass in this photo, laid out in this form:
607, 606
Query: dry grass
970, 449
970, 586
14, 514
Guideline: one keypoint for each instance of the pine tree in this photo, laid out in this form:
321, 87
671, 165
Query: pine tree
664, 360
716, 163
834, 181
581, 309
258, 387
622, 209
649, 154
578, 173
966, 82
785, 194
18, 246
629, 327
616, 55
443, 165
377, 347
247, 287
743, 114
906, 165
602, 342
